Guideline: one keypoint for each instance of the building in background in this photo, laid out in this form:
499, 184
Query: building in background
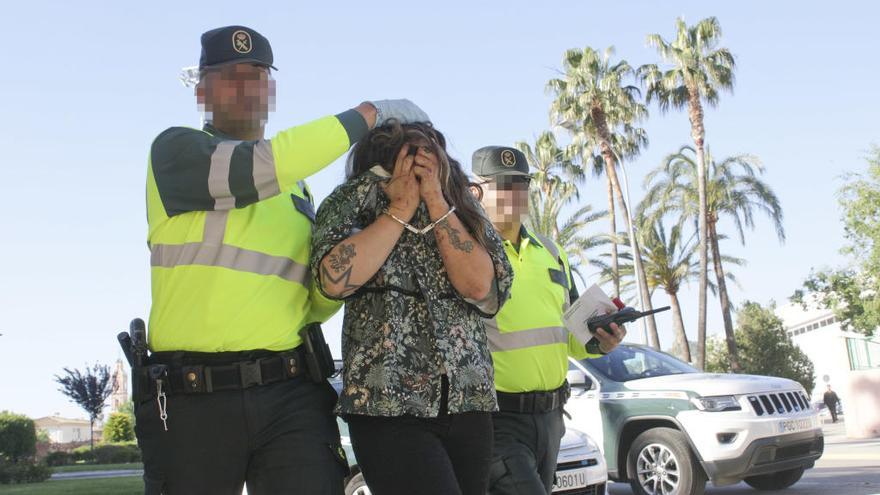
120, 387
833, 351
64, 430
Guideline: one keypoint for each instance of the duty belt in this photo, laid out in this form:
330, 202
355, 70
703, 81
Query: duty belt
186, 378
534, 402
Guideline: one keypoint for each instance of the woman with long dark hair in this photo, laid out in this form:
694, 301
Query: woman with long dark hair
409, 249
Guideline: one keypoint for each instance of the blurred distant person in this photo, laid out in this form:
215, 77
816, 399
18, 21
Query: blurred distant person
831, 400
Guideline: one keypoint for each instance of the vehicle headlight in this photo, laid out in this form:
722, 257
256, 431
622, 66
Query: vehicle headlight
586, 439
718, 403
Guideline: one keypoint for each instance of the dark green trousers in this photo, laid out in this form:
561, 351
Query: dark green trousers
525, 451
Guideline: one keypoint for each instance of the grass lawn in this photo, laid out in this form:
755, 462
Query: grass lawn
75, 468
128, 485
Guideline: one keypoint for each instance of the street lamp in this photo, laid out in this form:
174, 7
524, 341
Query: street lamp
632, 246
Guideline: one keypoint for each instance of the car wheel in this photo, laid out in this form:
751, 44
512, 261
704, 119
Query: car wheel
357, 486
660, 462
775, 481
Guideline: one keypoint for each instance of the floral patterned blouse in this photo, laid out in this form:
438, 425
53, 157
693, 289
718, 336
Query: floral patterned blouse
407, 326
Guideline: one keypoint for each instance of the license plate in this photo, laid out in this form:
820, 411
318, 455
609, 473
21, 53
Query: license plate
570, 479
793, 425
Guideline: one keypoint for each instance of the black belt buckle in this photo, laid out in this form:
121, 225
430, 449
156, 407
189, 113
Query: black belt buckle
251, 373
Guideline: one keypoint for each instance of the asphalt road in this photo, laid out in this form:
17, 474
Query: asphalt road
848, 467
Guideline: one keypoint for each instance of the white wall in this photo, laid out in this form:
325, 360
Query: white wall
824, 342
67, 433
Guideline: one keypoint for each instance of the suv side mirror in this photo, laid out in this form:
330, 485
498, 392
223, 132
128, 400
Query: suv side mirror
578, 379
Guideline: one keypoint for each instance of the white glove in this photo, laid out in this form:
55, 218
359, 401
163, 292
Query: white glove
404, 111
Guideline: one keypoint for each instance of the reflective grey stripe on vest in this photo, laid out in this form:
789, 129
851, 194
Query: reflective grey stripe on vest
523, 339
265, 178
218, 175
550, 246
264, 174
215, 226
232, 257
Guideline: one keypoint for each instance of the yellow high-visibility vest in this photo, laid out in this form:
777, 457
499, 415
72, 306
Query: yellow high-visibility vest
229, 233
528, 339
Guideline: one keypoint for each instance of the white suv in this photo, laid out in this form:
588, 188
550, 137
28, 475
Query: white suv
666, 428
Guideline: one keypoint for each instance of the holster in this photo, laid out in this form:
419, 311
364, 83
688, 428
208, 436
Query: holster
318, 357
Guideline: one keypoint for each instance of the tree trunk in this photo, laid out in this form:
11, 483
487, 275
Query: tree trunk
615, 270
610, 170
92, 434
678, 328
695, 114
729, 335
640, 268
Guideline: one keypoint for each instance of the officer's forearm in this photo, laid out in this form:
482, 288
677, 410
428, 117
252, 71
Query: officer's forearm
354, 261
368, 112
467, 263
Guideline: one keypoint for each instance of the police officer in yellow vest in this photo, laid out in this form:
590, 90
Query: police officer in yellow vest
529, 342
225, 397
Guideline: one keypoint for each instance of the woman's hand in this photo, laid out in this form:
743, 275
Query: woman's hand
426, 167
403, 188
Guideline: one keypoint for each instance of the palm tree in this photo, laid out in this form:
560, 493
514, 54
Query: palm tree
733, 190
594, 103
554, 187
699, 70
669, 263
550, 163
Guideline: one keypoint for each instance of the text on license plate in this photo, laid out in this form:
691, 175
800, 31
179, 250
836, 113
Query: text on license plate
570, 479
793, 425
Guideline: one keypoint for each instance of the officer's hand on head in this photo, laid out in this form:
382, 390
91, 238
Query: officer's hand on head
609, 341
404, 111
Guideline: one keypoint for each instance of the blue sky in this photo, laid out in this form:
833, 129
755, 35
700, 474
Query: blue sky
86, 87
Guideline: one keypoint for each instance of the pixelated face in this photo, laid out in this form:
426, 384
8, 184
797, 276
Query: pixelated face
239, 95
506, 198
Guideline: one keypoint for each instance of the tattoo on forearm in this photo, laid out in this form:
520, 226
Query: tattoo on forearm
344, 280
454, 236
340, 260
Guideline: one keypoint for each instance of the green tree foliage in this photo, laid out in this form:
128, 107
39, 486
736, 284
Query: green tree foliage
554, 187
595, 102
765, 349
734, 191
852, 292
860, 201
18, 437
119, 428
853, 297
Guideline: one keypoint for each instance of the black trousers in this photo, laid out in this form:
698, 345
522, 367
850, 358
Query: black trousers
408, 455
279, 439
526, 447
832, 408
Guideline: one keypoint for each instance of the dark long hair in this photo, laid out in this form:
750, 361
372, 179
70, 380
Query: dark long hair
381, 146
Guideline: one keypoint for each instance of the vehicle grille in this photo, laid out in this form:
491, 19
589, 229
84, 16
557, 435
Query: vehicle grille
779, 403
577, 464
771, 453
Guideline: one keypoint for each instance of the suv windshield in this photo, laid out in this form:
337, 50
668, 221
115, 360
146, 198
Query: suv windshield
633, 362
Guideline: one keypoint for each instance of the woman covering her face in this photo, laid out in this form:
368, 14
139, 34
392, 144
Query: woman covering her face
409, 249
